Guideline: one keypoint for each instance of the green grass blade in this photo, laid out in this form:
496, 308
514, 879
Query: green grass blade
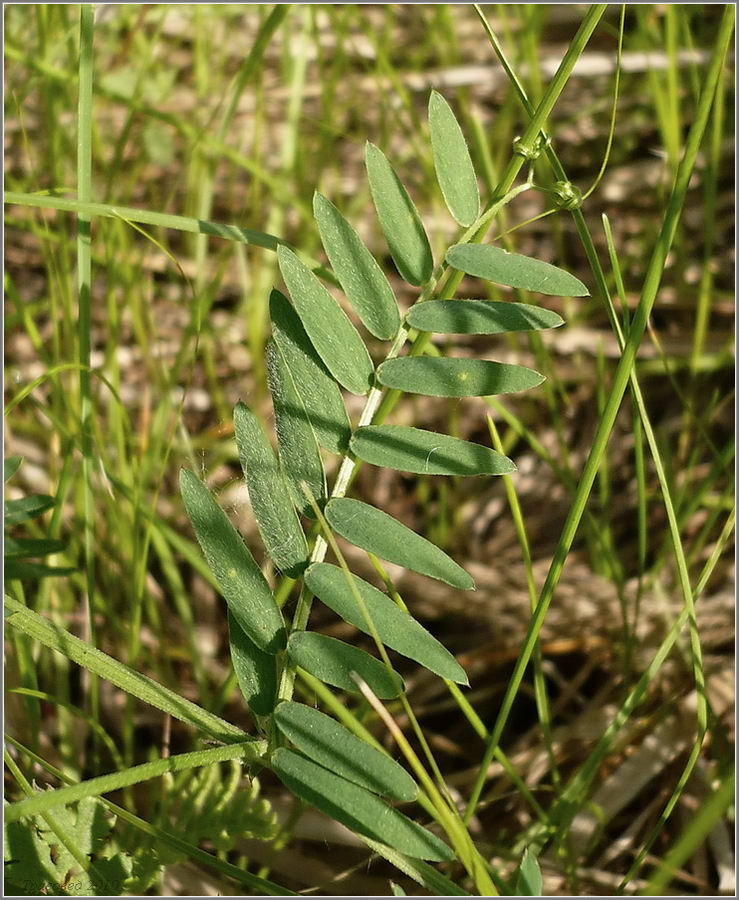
620, 382
43, 801
134, 683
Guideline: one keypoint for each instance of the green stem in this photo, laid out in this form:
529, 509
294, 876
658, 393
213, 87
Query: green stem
40, 802
620, 383
84, 321
134, 683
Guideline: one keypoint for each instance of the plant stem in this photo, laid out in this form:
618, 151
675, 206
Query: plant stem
84, 324
620, 382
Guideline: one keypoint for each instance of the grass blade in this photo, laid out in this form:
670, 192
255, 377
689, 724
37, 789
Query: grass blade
134, 683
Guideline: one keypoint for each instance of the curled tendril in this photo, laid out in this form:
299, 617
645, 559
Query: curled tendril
567, 195
530, 152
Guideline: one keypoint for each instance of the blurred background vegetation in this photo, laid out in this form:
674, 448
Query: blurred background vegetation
217, 112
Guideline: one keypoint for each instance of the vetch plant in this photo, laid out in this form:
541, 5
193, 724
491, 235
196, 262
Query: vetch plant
315, 351
300, 484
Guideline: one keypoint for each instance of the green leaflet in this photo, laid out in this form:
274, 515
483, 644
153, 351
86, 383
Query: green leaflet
333, 746
355, 807
239, 578
363, 281
22, 570
528, 881
399, 219
373, 530
445, 377
479, 317
25, 547
336, 340
454, 169
512, 269
269, 494
426, 452
396, 628
25, 508
299, 453
10, 466
333, 661
255, 670
319, 391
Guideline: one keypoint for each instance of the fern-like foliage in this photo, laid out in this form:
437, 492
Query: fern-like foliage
315, 351
39, 859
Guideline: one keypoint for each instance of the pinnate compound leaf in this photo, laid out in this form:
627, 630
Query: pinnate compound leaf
319, 391
497, 265
445, 377
479, 317
269, 494
528, 881
336, 340
256, 671
239, 578
454, 169
426, 452
333, 746
355, 807
396, 628
362, 279
372, 529
296, 439
399, 219
38, 863
333, 661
